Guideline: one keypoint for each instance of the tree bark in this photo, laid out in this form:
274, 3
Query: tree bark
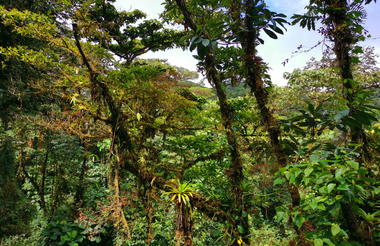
343, 39
148, 214
43, 180
78, 199
25, 160
120, 219
253, 65
235, 173
183, 234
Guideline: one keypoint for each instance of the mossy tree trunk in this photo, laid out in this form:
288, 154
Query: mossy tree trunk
235, 172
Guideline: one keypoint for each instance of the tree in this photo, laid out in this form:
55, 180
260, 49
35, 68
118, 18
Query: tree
342, 24
105, 144
220, 48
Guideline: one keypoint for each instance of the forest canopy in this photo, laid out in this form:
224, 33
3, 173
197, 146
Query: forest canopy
99, 146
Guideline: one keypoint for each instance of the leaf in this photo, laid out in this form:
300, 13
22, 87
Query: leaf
338, 197
295, 21
214, 44
308, 171
281, 15
299, 220
330, 187
321, 207
303, 23
138, 115
74, 100
353, 164
335, 229
270, 33
355, 59
328, 242
343, 187
73, 234
202, 51
65, 238
280, 216
278, 181
357, 50
193, 39
281, 22
193, 42
205, 42
339, 172
240, 229
192, 47
318, 242
276, 29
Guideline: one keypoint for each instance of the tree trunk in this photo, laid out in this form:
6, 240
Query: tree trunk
253, 65
343, 40
119, 215
254, 69
183, 234
56, 189
148, 214
235, 173
24, 161
43, 180
81, 185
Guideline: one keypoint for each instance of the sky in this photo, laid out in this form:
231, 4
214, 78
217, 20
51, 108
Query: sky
274, 52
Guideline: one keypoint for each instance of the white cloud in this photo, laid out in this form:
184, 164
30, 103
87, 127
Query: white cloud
151, 7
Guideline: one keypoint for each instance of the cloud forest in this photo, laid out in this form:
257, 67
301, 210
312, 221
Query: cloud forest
99, 146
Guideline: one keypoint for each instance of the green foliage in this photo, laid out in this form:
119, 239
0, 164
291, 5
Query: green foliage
64, 233
19, 240
92, 137
15, 209
73, 234
330, 181
268, 234
203, 45
128, 34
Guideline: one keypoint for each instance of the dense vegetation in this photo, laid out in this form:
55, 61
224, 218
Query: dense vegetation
101, 147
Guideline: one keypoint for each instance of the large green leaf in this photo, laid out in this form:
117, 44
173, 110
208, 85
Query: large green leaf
318, 242
335, 229
270, 33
